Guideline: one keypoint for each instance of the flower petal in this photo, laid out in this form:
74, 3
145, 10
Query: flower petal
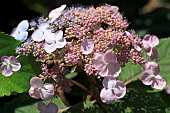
110, 56
23, 36
47, 91
34, 92
87, 46
55, 13
36, 82
52, 108
153, 67
23, 25
16, 66
61, 43
4, 59
107, 96
158, 82
145, 41
42, 106
154, 54
6, 70
114, 69
153, 41
104, 72
37, 35
109, 82
50, 47
97, 60
120, 89
146, 78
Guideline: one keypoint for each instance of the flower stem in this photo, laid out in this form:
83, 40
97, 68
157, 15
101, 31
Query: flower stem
95, 91
132, 78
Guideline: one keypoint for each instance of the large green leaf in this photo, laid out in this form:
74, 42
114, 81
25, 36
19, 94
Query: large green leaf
19, 81
164, 62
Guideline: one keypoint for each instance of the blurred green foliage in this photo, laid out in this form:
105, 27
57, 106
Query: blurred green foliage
155, 20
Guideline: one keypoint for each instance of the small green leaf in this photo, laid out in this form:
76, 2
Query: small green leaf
71, 75
92, 108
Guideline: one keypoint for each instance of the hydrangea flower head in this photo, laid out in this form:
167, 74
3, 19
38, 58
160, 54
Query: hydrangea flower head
50, 108
151, 76
113, 89
54, 41
9, 64
42, 31
87, 46
20, 32
55, 13
106, 63
149, 43
40, 90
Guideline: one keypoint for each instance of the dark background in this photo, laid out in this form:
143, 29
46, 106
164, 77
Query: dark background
145, 16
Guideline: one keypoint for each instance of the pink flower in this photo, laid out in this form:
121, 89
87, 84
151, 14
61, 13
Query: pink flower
55, 13
106, 63
9, 64
149, 43
42, 31
20, 32
87, 46
40, 90
151, 76
50, 108
113, 89
54, 41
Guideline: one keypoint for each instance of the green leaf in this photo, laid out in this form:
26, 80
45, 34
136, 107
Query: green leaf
71, 75
164, 59
91, 108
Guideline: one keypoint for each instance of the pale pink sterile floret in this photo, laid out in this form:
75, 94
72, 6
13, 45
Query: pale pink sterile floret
50, 108
55, 13
40, 90
87, 46
42, 31
149, 43
113, 89
135, 45
106, 64
20, 32
54, 41
151, 76
9, 65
